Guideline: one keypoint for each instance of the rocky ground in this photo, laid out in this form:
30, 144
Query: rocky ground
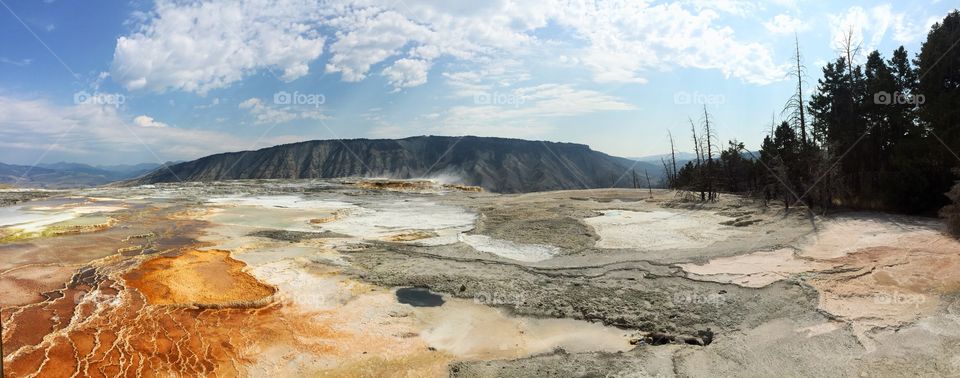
766, 308
612, 283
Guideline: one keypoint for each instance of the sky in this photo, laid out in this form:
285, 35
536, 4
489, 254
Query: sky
113, 82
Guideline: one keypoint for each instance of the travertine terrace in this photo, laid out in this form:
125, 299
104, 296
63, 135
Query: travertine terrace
299, 278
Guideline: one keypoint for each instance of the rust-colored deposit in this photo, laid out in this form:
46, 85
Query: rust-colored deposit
205, 279
72, 306
110, 333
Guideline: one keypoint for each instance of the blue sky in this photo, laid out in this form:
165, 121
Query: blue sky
111, 82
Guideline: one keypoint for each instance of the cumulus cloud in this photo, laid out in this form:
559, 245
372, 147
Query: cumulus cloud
631, 38
785, 24
147, 121
196, 47
407, 73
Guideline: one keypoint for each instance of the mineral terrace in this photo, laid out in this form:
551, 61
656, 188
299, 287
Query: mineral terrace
301, 278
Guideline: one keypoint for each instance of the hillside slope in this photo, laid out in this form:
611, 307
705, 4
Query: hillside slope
496, 164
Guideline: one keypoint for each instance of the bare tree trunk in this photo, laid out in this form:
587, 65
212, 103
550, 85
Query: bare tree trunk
706, 121
699, 167
649, 185
803, 119
850, 49
671, 182
673, 159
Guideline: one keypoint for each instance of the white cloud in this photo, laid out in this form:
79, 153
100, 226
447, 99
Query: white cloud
147, 121
527, 111
196, 47
407, 72
870, 27
29, 127
630, 38
485, 78
524, 112
264, 113
785, 24
740, 8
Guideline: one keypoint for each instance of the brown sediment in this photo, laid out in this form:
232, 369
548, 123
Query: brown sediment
464, 188
890, 286
756, 269
870, 271
203, 279
132, 248
330, 218
13, 235
138, 236
79, 229
191, 213
888, 275
24, 285
79, 249
416, 364
413, 235
395, 184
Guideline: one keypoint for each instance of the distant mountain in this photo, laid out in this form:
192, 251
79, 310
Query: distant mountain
133, 170
655, 159
69, 175
684, 157
496, 164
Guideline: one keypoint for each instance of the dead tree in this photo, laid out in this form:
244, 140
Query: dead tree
699, 167
794, 108
671, 181
849, 48
649, 185
709, 135
673, 160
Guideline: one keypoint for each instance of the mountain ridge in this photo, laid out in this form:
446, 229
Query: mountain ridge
496, 164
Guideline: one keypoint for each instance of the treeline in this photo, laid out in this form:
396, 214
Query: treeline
881, 135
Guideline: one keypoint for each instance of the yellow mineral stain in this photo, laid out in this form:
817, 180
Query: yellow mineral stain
206, 279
